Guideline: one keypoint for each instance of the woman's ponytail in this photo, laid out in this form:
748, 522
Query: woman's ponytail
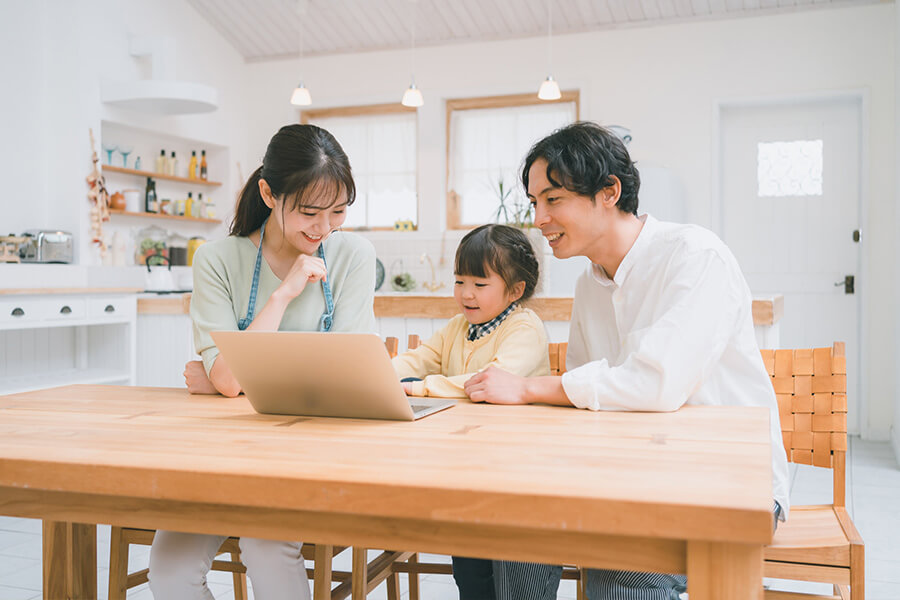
250, 211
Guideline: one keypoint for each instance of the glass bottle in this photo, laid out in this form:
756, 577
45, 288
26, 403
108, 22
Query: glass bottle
173, 164
161, 163
150, 203
203, 165
192, 166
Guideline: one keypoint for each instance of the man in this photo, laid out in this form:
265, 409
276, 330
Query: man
662, 318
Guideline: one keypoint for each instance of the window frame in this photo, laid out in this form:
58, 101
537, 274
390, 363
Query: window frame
506, 101
368, 110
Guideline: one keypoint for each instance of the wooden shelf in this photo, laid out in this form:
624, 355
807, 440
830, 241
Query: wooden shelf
147, 215
113, 169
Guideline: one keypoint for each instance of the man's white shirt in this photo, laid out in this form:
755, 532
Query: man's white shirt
673, 327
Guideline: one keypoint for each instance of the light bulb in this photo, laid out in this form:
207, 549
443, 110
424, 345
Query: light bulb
301, 96
549, 89
412, 96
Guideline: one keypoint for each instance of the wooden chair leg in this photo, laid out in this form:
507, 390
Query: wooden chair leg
393, 586
118, 564
580, 584
239, 579
413, 578
322, 572
360, 578
857, 572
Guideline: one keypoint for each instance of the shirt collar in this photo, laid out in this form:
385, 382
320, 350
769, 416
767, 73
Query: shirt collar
632, 257
479, 330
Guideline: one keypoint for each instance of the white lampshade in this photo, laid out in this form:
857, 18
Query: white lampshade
412, 96
549, 89
301, 96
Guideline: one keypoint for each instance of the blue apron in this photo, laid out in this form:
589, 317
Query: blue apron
327, 318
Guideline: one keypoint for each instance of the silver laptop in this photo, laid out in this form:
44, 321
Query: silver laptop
320, 374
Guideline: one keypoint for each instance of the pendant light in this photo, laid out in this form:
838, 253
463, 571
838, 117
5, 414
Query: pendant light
301, 96
412, 96
549, 89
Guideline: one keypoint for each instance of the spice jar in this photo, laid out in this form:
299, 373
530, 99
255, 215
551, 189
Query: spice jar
177, 250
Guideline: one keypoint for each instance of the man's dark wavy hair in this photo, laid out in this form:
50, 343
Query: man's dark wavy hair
582, 157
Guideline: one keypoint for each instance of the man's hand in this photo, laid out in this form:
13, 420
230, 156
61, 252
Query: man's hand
196, 380
497, 387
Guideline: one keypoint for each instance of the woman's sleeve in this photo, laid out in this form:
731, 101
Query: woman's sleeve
212, 307
354, 309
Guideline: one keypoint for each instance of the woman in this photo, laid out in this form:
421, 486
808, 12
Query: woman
283, 267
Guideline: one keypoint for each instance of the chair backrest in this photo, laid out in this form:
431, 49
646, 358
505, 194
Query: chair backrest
811, 388
557, 358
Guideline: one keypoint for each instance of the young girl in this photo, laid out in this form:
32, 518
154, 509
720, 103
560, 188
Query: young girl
495, 270
283, 267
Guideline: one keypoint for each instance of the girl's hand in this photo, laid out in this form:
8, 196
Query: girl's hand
306, 269
196, 380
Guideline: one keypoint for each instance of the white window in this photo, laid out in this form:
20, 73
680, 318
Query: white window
488, 141
789, 168
380, 142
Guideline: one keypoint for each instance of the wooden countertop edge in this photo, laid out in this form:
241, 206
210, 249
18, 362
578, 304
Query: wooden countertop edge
766, 311
72, 290
176, 304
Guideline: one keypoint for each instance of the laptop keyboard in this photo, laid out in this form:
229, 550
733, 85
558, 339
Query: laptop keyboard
417, 408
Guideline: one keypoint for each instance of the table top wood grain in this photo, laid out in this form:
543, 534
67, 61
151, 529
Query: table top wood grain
698, 473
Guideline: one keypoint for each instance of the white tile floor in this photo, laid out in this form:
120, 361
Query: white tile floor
873, 485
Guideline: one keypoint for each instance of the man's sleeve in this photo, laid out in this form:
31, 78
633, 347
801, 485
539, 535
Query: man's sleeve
667, 361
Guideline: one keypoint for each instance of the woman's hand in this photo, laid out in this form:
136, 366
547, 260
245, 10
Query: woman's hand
306, 269
407, 387
196, 380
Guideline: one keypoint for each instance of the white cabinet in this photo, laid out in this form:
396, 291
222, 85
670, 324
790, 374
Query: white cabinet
166, 344
48, 340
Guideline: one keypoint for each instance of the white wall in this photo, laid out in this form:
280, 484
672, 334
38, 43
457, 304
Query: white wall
56, 53
895, 433
662, 82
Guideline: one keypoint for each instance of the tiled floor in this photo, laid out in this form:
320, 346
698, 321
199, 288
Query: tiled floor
873, 486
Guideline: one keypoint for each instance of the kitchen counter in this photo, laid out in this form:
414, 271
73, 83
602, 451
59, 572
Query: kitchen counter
767, 310
69, 290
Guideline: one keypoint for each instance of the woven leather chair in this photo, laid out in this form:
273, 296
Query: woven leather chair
817, 543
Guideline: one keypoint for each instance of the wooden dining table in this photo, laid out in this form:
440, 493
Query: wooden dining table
682, 492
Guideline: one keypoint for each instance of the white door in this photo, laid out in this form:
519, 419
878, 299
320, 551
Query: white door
790, 204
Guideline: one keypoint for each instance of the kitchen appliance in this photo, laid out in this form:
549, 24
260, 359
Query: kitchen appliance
47, 246
9, 248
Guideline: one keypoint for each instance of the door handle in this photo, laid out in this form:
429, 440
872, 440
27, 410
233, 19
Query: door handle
848, 283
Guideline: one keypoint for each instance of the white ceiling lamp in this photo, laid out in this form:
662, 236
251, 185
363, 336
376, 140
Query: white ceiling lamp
549, 88
301, 96
412, 97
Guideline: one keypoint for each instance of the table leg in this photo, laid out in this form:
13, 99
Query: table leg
721, 571
69, 561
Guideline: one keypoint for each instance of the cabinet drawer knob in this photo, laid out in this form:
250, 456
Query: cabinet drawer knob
17, 312
65, 310
109, 308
